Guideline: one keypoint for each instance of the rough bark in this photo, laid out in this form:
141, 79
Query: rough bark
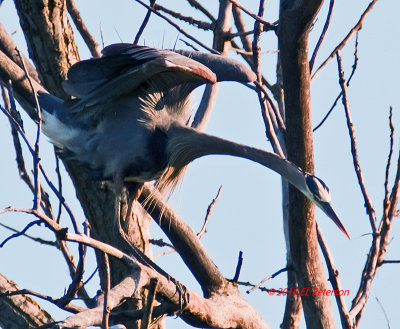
20, 311
53, 50
294, 23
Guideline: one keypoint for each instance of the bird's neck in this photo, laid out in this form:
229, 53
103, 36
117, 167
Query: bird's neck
186, 144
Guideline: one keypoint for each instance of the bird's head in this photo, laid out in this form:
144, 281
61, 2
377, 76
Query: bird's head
318, 192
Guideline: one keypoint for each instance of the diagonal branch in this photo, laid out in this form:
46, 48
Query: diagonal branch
176, 26
184, 240
270, 131
266, 26
321, 38
355, 29
91, 42
334, 279
144, 23
354, 152
190, 20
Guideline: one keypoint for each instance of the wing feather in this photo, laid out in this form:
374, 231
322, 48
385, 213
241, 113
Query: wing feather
126, 69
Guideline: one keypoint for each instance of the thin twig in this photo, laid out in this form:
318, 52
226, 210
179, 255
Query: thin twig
90, 42
198, 6
199, 235
148, 308
144, 23
177, 27
48, 181
91, 276
188, 44
322, 36
237, 17
190, 20
334, 279
160, 243
384, 312
356, 28
368, 204
271, 103
267, 26
391, 144
269, 128
353, 70
70, 308
22, 232
36, 158
390, 262
209, 210
269, 277
59, 180
23, 173
106, 309
238, 267
39, 240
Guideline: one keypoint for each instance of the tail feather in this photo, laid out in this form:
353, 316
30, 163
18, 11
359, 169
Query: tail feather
55, 121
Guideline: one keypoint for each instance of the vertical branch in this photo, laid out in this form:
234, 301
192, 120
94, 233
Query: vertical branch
391, 143
256, 58
50, 40
303, 244
106, 289
354, 152
237, 16
148, 308
321, 38
144, 23
36, 156
220, 43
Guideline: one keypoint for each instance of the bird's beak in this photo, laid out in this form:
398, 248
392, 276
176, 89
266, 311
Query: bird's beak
328, 210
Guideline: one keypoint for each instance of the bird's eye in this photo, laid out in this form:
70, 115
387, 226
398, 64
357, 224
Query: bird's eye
318, 188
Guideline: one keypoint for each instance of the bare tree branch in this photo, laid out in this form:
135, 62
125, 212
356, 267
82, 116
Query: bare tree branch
19, 311
185, 242
321, 38
176, 26
190, 20
83, 30
353, 71
266, 25
144, 23
354, 152
106, 289
355, 29
334, 279
148, 309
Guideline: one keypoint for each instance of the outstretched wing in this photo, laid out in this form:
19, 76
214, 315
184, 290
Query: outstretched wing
123, 70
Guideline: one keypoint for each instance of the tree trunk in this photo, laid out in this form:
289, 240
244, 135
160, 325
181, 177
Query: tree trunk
295, 20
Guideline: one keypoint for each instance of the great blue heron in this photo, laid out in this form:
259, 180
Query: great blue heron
128, 119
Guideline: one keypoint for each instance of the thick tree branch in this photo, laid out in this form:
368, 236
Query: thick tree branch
19, 311
185, 242
50, 40
303, 245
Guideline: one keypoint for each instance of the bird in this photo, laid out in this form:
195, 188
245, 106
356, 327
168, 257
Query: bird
128, 114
